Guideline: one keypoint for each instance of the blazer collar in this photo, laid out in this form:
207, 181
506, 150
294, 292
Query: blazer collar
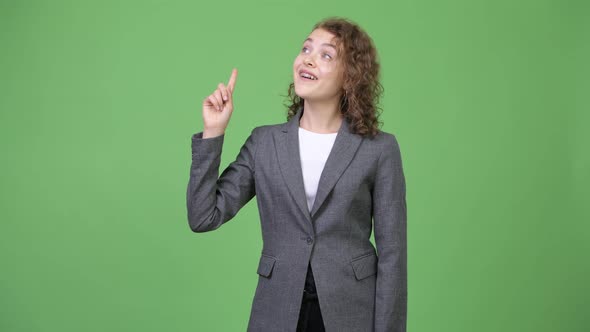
287, 147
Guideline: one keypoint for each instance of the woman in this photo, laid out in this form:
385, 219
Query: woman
320, 179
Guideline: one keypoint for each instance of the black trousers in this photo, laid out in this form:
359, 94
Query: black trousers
310, 317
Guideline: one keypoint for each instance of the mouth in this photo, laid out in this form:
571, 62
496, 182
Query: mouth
307, 76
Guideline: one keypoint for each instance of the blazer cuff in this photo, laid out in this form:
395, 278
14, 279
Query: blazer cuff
206, 148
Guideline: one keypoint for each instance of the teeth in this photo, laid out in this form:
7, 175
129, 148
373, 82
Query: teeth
306, 75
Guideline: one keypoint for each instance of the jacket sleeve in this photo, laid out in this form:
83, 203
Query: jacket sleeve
212, 199
389, 214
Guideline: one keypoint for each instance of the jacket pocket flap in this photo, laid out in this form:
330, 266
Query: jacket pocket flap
364, 266
265, 265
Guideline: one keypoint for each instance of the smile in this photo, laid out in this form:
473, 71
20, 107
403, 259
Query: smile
306, 80
308, 76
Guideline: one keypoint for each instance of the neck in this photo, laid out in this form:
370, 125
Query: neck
321, 117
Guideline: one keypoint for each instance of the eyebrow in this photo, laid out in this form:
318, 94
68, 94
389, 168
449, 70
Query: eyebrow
327, 44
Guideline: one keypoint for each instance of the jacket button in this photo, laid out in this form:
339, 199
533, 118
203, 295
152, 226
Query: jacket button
309, 240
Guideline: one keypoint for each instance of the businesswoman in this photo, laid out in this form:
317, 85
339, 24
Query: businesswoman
324, 180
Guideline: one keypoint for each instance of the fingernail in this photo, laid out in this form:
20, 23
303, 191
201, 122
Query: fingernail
225, 98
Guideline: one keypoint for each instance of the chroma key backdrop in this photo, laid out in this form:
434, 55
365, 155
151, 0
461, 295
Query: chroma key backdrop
489, 101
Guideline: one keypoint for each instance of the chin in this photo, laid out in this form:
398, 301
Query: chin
300, 93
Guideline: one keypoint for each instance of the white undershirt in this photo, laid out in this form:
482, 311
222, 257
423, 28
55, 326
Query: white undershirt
314, 149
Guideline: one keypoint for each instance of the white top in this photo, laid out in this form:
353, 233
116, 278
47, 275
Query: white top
314, 149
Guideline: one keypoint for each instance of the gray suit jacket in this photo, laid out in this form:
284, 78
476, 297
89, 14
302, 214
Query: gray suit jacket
363, 181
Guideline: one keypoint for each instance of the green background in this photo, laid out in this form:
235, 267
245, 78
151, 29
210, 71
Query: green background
489, 101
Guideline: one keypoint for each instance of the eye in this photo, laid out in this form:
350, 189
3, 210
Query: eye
327, 56
304, 49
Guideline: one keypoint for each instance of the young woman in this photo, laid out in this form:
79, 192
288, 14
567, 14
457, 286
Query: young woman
323, 180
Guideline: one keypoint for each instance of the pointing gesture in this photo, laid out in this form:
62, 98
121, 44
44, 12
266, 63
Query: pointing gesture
218, 107
232, 80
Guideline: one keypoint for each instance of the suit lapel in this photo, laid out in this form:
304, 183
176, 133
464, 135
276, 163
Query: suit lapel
287, 147
344, 149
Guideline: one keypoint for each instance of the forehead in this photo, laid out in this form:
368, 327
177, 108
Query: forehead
321, 36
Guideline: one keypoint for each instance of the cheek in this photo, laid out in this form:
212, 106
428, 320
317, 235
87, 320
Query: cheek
332, 84
332, 74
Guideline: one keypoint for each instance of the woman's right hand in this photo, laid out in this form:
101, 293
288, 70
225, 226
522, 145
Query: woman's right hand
218, 107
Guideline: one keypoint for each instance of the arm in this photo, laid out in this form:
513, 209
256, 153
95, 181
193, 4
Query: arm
213, 200
389, 214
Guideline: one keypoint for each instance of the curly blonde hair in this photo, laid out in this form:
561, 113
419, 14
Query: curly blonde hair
361, 89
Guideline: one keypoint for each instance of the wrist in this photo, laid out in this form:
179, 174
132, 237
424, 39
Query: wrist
212, 132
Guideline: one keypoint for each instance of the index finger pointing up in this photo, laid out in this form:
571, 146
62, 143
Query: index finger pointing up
232, 80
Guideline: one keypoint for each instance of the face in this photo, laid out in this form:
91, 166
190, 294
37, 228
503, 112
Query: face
318, 57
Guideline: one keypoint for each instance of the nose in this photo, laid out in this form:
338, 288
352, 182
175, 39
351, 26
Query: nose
308, 61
